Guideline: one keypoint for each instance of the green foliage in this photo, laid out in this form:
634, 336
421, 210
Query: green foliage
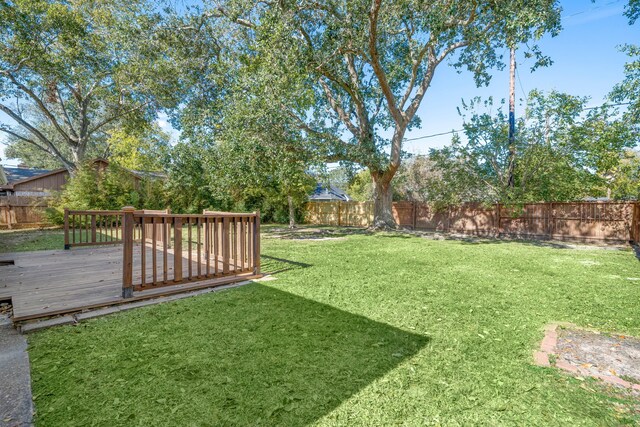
354, 68
361, 189
110, 188
143, 149
625, 178
563, 153
72, 71
446, 339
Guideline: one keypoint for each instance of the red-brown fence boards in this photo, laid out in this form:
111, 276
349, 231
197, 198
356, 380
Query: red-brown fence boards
22, 211
584, 221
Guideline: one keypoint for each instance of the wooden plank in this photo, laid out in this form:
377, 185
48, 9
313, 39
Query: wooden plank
190, 249
66, 229
177, 250
225, 245
199, 247
143, 254
207, 243
154, 240
242, 244
165, 242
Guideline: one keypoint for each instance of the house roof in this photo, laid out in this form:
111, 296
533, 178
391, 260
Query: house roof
330, 193
15, 174
18, 175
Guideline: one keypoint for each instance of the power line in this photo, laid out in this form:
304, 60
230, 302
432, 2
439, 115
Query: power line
593, 9
460, 130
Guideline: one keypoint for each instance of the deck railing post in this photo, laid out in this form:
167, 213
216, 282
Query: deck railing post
225, 245
256, 244
127, 251
66, 229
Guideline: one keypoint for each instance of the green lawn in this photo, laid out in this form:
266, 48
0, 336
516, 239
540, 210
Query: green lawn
31, 240
364, 330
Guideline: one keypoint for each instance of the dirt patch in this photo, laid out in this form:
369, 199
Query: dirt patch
600, 354
614, 359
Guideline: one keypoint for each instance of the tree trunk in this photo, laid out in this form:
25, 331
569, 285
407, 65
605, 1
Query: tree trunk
292, 213
382, 202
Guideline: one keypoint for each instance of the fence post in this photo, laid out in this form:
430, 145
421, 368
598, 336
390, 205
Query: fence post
127, 251
415, 213
256, 245
498, 215
66, 229
339, 214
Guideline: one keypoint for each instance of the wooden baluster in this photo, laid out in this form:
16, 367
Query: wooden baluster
177, 249
143, 252
189, 245
154, 239
165, 242
199, 246
234, 243
216, 236
73, 229
249, 242
242, 244
256, 245
207, 244
66, 228
225, 245
127, 252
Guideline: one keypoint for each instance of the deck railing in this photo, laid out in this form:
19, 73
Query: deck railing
178, 247
95, 227
91, 227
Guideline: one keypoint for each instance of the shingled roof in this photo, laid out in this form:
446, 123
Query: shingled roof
15, 174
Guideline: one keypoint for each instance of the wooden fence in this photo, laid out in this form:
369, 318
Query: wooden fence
20, 212
580, 221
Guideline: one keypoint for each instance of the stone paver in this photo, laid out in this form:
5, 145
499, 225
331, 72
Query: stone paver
16, 405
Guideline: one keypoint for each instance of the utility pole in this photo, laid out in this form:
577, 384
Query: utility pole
512, 119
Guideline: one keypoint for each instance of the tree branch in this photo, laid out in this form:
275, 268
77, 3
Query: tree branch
377, 67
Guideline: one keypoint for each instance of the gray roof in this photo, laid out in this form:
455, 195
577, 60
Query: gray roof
330, 193
15, 174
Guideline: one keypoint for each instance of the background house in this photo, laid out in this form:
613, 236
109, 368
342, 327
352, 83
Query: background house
328, 193
25, 194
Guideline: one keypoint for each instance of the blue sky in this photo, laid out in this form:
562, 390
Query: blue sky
586, 62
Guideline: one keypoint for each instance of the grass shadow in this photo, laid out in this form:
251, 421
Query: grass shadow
252, 356
273, 265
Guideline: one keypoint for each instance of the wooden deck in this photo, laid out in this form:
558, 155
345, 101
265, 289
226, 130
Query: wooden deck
45, 283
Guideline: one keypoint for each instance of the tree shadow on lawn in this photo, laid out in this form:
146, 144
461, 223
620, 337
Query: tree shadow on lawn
251, 356
272, 265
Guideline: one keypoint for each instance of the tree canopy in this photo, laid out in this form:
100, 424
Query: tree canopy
360, 67
71, 71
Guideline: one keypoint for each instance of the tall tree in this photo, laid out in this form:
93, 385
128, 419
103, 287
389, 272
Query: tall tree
369, 63
70, 71
566, 152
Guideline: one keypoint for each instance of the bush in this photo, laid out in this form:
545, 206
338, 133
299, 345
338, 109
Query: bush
110, 188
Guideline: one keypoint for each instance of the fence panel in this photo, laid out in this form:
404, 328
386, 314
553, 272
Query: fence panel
22, 211
584, 221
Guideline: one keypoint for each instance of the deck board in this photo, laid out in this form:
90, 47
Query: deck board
43, 283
